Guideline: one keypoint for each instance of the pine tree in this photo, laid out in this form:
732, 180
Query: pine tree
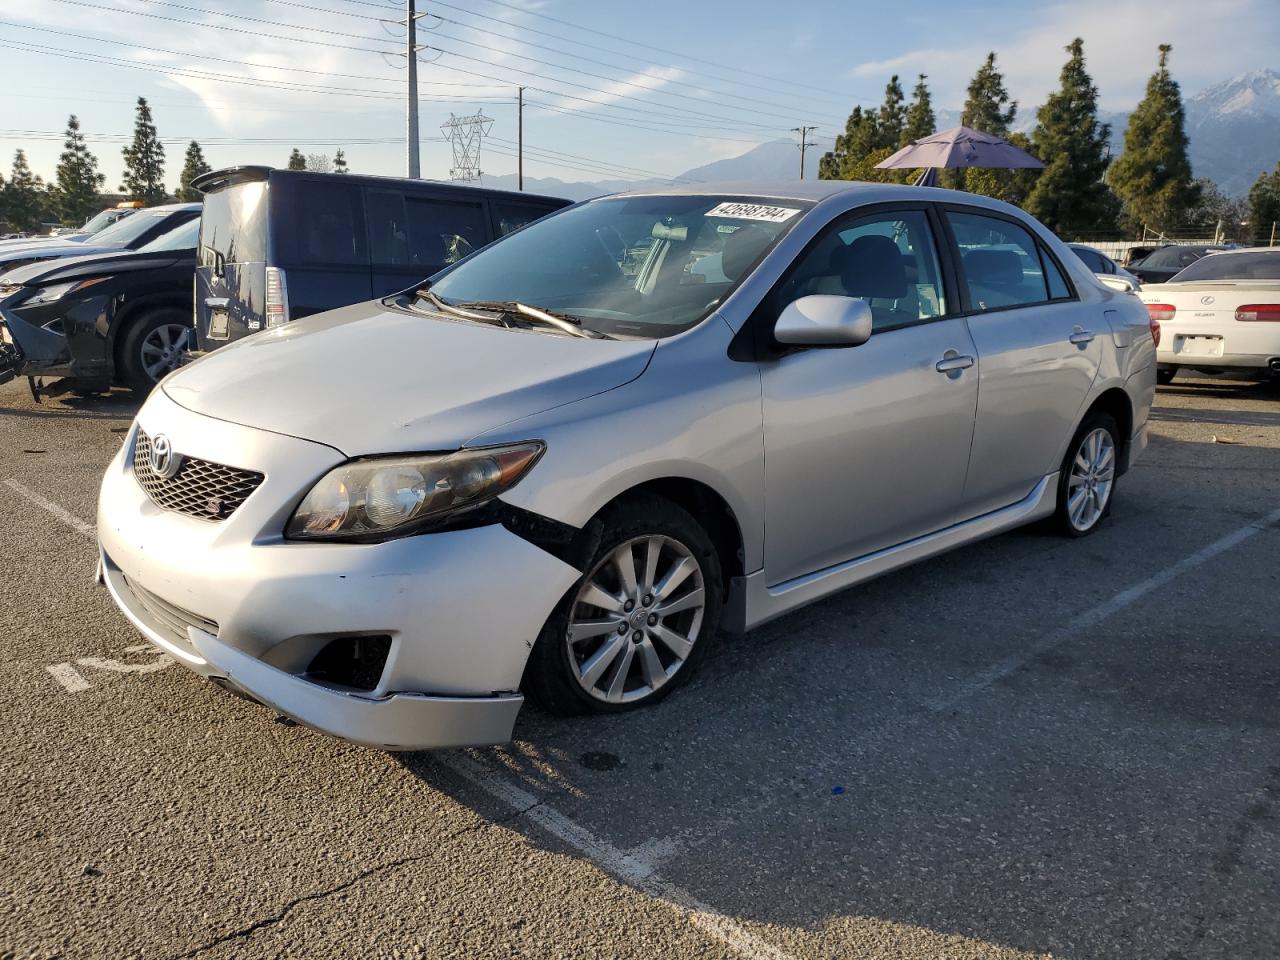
297, 161
340, 162
75, 193
193, 166
24, 196
144, 160
920, 122
1069, 196
893, 116
1153, 175
1264, 206
984, 108
833, 162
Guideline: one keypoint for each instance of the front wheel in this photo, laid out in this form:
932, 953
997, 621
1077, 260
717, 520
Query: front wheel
637, 622
1087, 479
155, 344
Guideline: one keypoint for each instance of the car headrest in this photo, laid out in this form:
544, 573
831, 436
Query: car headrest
993, 267
871, 267
741, 249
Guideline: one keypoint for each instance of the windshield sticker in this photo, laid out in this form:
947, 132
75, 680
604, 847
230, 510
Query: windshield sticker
753, 211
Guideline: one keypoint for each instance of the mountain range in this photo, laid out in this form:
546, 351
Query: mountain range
1233, 126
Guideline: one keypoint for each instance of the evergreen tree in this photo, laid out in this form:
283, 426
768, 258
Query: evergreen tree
1153, 175
984, 108
144, 160
75, 194
893, 116
1264, 206
297, 161
24, 196
340, 162
920, 121
1069, 195
194, 165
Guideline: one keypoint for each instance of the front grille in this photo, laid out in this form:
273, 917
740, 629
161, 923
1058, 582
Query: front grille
169, 618
200, 488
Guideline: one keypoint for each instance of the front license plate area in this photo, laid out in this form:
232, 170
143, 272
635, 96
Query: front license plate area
1192, 346
219, 325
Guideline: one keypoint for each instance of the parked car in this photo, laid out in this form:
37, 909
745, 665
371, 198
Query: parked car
277, 245
95, 224
1104, 268
1222, 313
545, 472
1160, 265
137, 230
122, 317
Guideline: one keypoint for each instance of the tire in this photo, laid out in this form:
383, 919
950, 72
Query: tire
141, 371
573, 677
1073, 518
1165, 375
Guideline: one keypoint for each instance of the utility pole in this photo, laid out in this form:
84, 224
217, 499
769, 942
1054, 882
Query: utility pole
520, 138
414, 171
804, 142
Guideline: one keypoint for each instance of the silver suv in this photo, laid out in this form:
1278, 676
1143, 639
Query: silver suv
562, 465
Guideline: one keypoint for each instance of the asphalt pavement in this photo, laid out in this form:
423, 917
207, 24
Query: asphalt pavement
1028, 747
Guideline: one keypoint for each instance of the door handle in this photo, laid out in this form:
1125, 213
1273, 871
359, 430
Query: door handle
1081, 336
953, 362
216, 303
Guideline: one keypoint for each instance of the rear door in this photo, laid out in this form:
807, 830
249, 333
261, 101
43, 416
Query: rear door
1039, 349
230, 280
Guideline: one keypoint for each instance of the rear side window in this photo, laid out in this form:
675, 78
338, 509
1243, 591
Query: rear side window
1003, 265
513, 216
233, 224
1092, 259
444, 231
323, 223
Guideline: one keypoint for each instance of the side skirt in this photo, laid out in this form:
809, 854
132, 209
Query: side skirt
752, 602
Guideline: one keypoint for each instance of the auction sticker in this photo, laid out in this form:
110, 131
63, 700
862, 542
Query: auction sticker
753, 211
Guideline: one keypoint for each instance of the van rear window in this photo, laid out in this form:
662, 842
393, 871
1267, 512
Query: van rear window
233, 224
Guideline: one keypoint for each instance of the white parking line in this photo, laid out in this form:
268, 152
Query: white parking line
70, 519
69, 677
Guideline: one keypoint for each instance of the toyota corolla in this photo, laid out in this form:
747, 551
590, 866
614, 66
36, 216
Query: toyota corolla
563, 465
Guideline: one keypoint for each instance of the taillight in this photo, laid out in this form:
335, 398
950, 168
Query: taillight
277, 297
1259, 311
1161, 312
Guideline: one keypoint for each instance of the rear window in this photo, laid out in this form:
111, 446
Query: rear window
1234, 266
233, 224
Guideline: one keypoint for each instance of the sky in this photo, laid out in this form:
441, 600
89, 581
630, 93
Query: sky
613, 90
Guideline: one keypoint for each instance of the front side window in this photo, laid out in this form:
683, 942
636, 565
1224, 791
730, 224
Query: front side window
444, 231
646, 266
889, 260
126, 231
1003, 265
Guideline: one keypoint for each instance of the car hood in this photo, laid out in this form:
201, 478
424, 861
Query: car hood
93, 265
371, 379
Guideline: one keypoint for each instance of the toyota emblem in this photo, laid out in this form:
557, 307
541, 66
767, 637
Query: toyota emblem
1207, 299
164, 462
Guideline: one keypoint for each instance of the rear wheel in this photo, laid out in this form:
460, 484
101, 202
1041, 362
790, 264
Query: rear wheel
155, 344
1087, 480
635, 625
1165, 375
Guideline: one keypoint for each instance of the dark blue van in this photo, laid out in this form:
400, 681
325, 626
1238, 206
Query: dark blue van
276, 245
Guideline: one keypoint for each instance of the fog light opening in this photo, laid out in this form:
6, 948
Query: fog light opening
352, 662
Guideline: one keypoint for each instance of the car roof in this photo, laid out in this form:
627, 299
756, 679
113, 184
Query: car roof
168, 208
229, 176
818, 190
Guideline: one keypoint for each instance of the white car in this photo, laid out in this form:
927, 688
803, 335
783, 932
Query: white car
1222, 313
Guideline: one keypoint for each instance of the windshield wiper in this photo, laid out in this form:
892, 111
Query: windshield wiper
561, 321
452, 311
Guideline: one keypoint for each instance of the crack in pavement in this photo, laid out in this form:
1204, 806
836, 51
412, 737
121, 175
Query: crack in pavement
266, 922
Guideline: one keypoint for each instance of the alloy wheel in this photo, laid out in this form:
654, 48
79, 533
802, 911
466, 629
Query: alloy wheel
635, 619
1093, 474
163, 349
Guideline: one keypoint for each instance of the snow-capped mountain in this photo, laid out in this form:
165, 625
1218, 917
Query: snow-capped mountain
1234, 129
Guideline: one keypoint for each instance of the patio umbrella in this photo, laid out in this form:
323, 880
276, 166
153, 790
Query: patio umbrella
958, 147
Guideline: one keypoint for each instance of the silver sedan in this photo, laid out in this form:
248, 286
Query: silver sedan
563, 465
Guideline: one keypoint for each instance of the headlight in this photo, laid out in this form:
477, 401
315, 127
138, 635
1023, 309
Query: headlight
396, 496
60, 290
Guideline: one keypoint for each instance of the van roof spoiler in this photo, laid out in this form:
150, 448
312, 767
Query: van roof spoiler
229, 176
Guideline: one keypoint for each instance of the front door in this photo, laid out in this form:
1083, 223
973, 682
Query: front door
1039, 349
867, 446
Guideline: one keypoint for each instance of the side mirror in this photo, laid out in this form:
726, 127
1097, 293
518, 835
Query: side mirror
1117, 282
824, 321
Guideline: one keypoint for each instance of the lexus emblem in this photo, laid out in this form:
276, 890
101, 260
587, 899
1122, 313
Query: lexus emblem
1207, 299
164, 462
